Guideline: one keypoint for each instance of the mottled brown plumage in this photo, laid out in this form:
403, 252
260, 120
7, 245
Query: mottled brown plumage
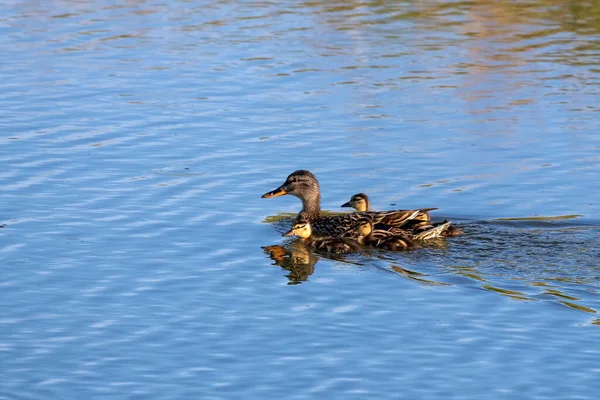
420, 226
367, 235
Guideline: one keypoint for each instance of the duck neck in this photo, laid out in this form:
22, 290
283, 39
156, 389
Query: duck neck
308, 240
311, 205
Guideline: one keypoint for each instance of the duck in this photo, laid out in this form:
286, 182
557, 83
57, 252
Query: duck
337, 245
305, 186
360, 202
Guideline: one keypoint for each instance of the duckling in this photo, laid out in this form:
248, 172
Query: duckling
360, 202
382, 239
303, 185
303, 230
419, 226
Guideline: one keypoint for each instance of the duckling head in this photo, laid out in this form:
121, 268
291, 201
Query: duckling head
301, 229
364, 227
360, 202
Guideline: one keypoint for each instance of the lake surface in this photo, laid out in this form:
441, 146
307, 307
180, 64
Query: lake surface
139, 261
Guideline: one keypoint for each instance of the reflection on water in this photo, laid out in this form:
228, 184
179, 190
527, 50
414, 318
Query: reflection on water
296, 258
522, 259
300, 262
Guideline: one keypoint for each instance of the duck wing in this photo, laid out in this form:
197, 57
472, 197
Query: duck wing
335, 225
398, 218
432, 231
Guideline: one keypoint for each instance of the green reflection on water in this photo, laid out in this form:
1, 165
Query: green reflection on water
578, 307
540, 218
558, 293
513, 294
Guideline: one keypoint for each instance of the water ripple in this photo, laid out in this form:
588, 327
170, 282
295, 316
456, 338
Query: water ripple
137, 139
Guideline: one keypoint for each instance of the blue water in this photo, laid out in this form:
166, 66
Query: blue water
139, 261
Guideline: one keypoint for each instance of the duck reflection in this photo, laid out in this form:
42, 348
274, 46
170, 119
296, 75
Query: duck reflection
294, 257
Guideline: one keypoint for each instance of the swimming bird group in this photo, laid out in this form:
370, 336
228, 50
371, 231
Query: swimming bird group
390, 230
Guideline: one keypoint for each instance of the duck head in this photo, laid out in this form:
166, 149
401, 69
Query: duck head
298, 183
303, 185
364, 227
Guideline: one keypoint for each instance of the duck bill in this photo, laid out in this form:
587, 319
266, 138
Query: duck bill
280, 191
346, 204
289, 233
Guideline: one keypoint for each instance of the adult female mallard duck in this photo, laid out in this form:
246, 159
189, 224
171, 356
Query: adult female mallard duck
303, 230
305, 186
360, 202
